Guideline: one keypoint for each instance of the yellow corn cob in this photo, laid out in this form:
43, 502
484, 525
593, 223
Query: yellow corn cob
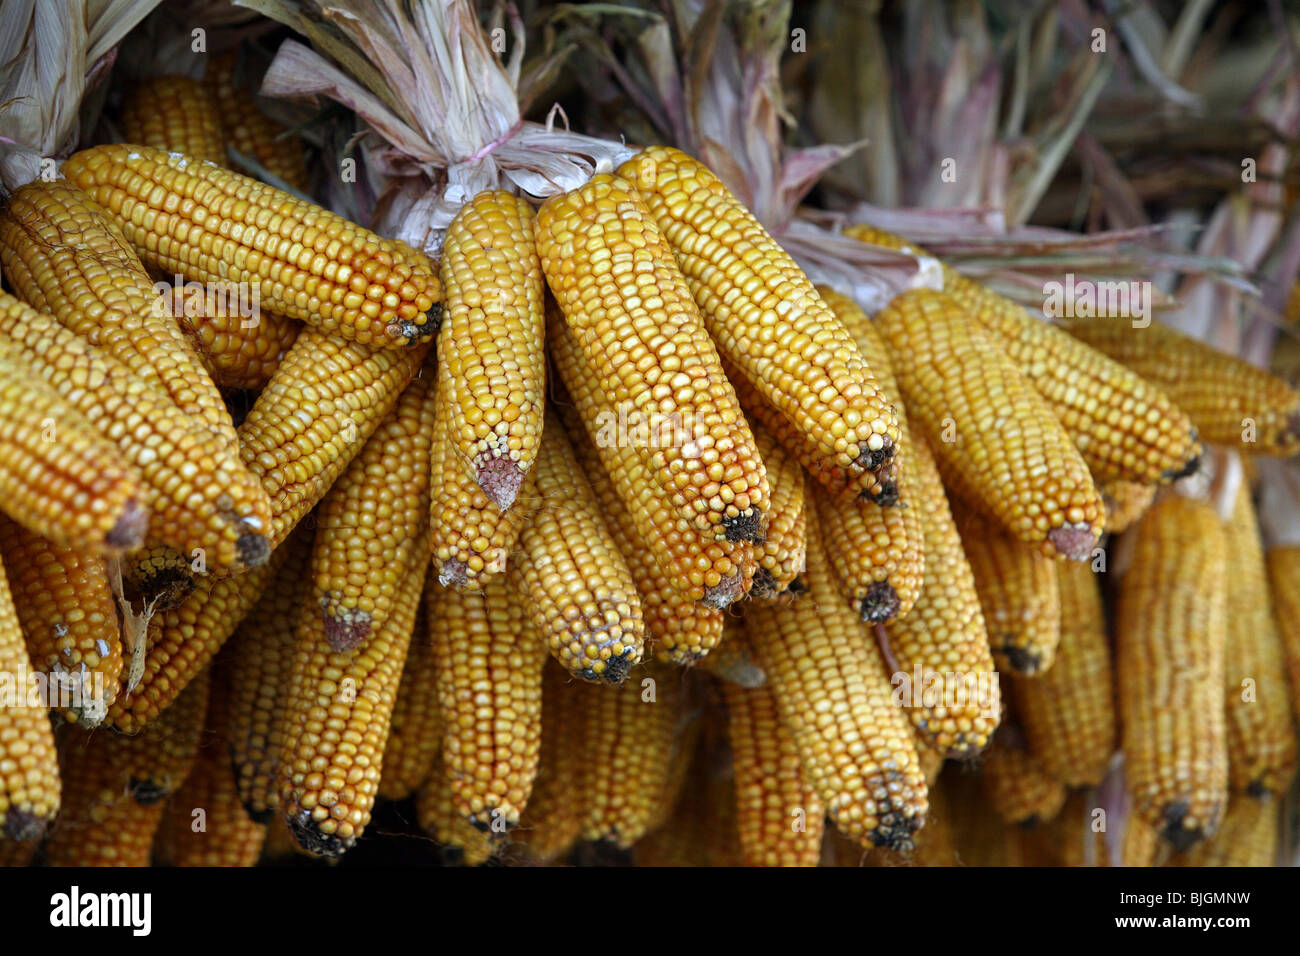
489, 673
936, 843
1141, 843
628, 308
303, 261
700, 829
1261, 738
628, 755
490, 346
69, 618
996, 441
581, 595
707, 730
1171, 627
441, 818
64, 256
238, 350
702, 568
1125, 503
1018, 595
1231, 402
336, 721
681, 631
734, 661
159, 574
29, 772
552, 821
323, 402
157, 760
1068, 713
765, 315
248, 130
1126, 427
780, 555
197, 493
369, 522
780, 816
1248, 836
1015, 784
943, 644
176, 114
261, 663
1284, 586
415, 732
834, 695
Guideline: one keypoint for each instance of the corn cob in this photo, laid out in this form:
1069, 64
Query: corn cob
159, 574
157, 760
680, 630
834, 695
1018, 594
780, 555
766, 316
370, 521
1126, 427
1141, 843
936, 843
780, 816
324, 401
1068, 713
701, 829
942, 645
249, 131
1284, 586
239, 347
733, 660
552, 821
698, 731
489, 673
1248, 836
65, 257
1230, 401
1261, 738
335, 722
1171, 630
101, 823
174, 114
701, 568
197, 493
414, 733
441, 818
582, 596
261, 662
59, 477
994, 437
628, 307
1015, 784
490, 345
29, 773
303, 261
69, 619
1125, 502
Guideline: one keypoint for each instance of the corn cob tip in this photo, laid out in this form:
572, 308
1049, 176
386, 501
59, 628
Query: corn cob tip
254, 548
1191, 467
308, 835
615, 668
746, 526
147, 793
1025, 660
23, 827
414, 332
1073, 541
166, 587
887, 496
453, 573
130, 528
880, 603
731, 588
1176, 831
878, 453
345, 630
500, 478
764, 584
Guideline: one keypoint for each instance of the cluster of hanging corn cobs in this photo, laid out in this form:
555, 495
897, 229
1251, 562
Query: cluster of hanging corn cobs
609, 528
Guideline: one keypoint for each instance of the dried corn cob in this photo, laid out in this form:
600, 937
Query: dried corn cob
1068, 713
159, 574
1261, 738
700, 828
261, 662
552, 821
304, 261
1248, 836
834, 695
414, 733
248, 130
369, 522
582, 597
942, 646
780, 555
59, 477
440, 817
29, 773
700, 567
321, 405
707, 730
994, 437
69, 619
681, 631
1015, 784
1125, 502
1284, 586
239, 347
779, 814
628, 733
64, 256
175, 114
628, 308
1018, 595
489, 672
197, 493
336, 721
490, 346
1126, 427
766, 316
1169, 657
157, 760
1228, 400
